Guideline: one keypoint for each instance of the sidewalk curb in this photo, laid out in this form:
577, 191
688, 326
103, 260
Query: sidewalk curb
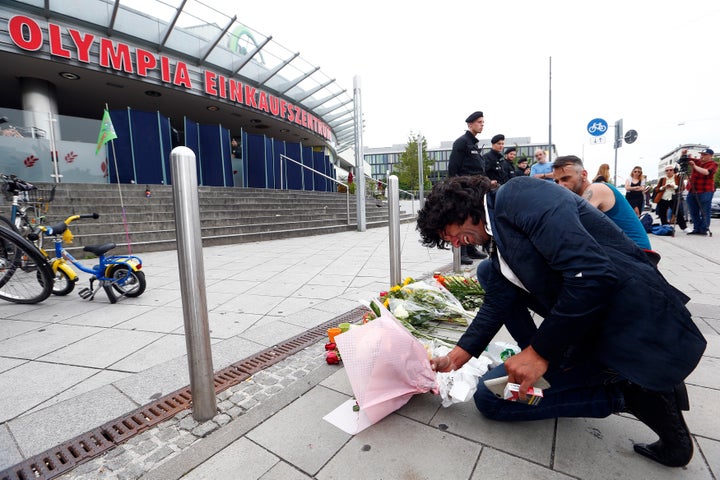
205, 448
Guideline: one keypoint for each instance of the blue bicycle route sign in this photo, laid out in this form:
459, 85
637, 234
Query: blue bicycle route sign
597, 127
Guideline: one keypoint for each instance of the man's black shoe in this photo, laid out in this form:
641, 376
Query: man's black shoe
662, 412
466, 260
695, 232
473, 252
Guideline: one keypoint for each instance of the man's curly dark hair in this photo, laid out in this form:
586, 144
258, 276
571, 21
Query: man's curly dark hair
451, 202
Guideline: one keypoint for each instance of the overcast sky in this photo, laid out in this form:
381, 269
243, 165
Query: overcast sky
425, 65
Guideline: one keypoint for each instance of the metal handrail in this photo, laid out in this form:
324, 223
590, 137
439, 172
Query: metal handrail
412, 197
347, 189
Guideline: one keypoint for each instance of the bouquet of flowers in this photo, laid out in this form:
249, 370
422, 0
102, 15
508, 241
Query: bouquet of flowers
467, 290
420, 302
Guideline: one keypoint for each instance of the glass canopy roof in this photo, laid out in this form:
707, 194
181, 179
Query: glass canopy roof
195, 30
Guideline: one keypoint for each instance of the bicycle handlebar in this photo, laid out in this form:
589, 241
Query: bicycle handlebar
60, 228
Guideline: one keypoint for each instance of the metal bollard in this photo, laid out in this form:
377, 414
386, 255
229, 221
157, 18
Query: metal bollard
192, 283
393, 195
456, 260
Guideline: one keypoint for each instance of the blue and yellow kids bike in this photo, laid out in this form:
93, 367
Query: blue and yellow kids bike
114, 273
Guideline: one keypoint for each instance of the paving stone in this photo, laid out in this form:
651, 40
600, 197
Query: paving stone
188, 423
463, 419
229, 462
591, 448
497, 465
159, 454
397, 447
205, 429
297, 435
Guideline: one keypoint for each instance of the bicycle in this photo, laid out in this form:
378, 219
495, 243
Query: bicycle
27, 204
114, 273
25, 274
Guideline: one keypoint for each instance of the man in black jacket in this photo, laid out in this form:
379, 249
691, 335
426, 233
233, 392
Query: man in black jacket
496, 168
465, 159
605, 344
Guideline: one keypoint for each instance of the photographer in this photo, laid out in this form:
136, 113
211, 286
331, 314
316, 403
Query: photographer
701, 188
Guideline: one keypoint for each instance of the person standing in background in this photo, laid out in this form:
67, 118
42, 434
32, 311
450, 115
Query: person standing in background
493, 161
465, 159
635, 190
522, 168
666, 191
603, 173
701, 187
542, 169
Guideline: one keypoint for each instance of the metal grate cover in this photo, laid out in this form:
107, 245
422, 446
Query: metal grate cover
58, 460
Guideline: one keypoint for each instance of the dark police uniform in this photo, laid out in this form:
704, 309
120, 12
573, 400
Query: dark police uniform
465, 157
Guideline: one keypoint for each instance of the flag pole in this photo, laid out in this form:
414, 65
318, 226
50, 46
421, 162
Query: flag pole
122, 203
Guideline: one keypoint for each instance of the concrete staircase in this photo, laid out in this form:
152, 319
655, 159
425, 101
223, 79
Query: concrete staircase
227, 215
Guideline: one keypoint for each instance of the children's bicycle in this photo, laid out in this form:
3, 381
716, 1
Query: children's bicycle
114, 273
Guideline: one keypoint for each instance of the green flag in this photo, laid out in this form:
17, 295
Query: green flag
107, 131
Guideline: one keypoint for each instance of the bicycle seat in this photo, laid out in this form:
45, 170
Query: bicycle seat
99, 249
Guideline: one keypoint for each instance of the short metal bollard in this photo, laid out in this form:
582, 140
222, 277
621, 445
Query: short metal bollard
393, 195
192, 283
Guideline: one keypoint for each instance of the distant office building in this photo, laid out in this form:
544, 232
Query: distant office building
381, 160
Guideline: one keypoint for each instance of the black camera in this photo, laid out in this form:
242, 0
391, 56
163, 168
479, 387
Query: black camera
683, 162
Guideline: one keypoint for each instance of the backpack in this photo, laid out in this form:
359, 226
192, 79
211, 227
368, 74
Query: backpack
647, 222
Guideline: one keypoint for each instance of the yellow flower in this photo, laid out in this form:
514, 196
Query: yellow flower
396, 288
408, 280
387, 303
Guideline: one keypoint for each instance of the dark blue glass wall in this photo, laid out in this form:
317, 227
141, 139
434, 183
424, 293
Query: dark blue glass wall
145, 137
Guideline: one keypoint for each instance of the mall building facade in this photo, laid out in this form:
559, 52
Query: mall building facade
171, 73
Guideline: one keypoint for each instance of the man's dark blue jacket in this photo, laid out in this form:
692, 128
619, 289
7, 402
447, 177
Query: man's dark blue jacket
599, 296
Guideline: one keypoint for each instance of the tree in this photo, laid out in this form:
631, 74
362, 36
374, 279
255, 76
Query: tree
407, 168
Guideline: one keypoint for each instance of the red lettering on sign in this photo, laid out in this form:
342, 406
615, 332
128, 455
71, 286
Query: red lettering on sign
145, 61
274, 107
223, 86
25, 33
262, 102
83, 43
236, 91
298, 118
210, 83
116, 57
56, 47
182, 76
250, 96
165, 69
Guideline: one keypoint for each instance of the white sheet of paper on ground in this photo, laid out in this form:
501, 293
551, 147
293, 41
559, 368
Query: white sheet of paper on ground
344, 418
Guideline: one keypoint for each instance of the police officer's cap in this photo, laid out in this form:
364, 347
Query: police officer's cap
473, 116
497, 138
510, 149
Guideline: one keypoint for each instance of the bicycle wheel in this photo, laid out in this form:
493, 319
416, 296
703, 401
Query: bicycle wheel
62, 285
25, 275
129, 283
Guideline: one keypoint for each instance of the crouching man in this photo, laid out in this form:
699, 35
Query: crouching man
605, 344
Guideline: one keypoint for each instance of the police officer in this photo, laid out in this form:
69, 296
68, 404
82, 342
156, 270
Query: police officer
465, 159
497, 168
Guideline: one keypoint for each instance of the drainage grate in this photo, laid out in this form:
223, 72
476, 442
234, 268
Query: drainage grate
65, 457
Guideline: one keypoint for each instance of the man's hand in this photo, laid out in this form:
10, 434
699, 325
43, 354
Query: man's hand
525, 368
452, 361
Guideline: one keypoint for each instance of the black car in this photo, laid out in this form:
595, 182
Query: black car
715, 205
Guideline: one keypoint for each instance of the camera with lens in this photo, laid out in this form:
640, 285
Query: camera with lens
683, 160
